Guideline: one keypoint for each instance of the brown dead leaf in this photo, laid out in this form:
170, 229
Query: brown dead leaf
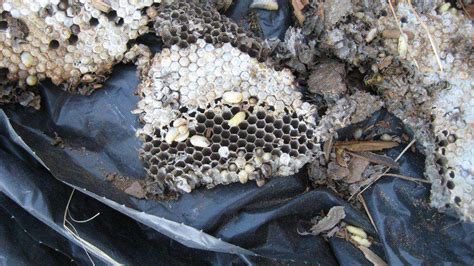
136, 190
298, 6
340, 157
370, 145
376, 159
357, 166
336, 172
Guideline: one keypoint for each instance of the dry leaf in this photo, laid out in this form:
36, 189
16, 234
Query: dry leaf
340, 157
371, 145
372, 257
334, 216
356, 167
376, 159
298, 6
336, 172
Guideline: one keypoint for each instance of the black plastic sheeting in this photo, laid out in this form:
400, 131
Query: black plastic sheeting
235, 224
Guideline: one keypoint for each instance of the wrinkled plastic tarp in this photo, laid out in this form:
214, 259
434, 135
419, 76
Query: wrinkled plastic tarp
228, 224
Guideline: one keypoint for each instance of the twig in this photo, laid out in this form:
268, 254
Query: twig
408, 178
362, 200
433, 46
386, 171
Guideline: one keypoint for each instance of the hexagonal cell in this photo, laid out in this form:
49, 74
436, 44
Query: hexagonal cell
259, 142
200, 128
206, 160
294, 153
259, 134
234, 130
302, 128
200, 118
189, 160
209, 115
156, 143
252, 119
180, 164
154, 170
218, 120
163, 156
209, 123
189, 150
208, 151
294, 144
147, 147
278, 133
309, 133
286, 129
294, 123
234, 110
278, 123
268, 147
302, 150
269, 119
249, 147
243, 125
197, 156
225, 134
173, 150
251, 138
215, 156
154, 160
286, 119
233, 138
276, 152
268, 138
227, 115
294, 133
154, 151
214, 164
261, 124
216, 138
302, 139
181, 146
286, 139
261, 115
269, 128
241, 142
285, 148
233, 147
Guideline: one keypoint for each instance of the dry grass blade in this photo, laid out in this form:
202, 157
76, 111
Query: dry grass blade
371, 145
376, 159
327, 147
298, 6
340, 157
425, 27
362, 201
408, 178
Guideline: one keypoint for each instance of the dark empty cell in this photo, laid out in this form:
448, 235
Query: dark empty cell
294, 144
225, 134
309, 133
251, 129
235, 110
154, 151
209, 123
200, 118
225, 142
294, 133
189, 150
180, 164
251, 138
197, 163
72, 39
148, 138
54, 44
197, 156
457, 200
260, 124
200, 128
443, 143
227, 115
269, 119
215, 156
302, 128
285, 149
310, 146
191, 39
249, 147
189, 160
268, 138
154, 160
174, 40
163, 156
260, 134
276, 152
216, 138
210, 115
218, 120
233, 138
302, 149
259, 142
294, 123
178, 173
223, 160
241, 143
261, 115
269, 128
214, 164
181, 146
112, 15
154, 170
450, 184
267, 147
248, 156
207, 151
225, 125
173, 150
286, 129
183, 44
174, 14
234, 130
451, 174
93, 22
294, 153
252, 119
3, 25
217, 130
278, 133
233, 147
286, 119
147, 147
286, 139
206, 160
302, 139
147, 157
242, 134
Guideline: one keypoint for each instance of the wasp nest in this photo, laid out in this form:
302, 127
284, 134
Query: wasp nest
183, 23
70, 42
214, 115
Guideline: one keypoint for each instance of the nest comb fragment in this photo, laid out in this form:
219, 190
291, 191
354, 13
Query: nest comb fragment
214, 115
